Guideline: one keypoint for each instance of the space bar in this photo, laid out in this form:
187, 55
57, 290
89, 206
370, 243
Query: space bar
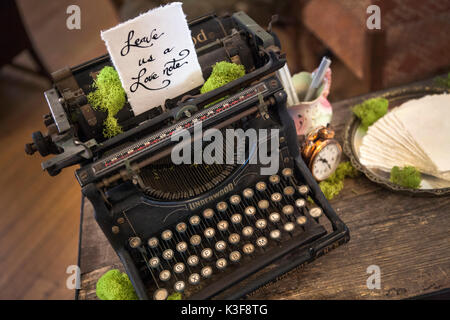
259, 263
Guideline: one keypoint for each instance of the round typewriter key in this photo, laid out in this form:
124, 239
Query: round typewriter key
274, 217
181, 227
167, 254
153, 262
275, 234
248, 248
160, 294
235, 199
289, 227
275, 179
247, 231
209, 233
261, 186
192, 260
206, 272
181, 247
222, 225
250, 211
165, 275
287, 172
179, 286
153, 242
276, 197
234, 238
288, 210
289, 191
235, 256
135, 242
300, 203
207, 253
315, 212
195, 240
166, 235
236, 218
263, 204
222, 206
220, 245
261, 224
194, 278
261, 242
208, 213
303, 190
179, 267
248, 193
194, 221
221, 263
301, 220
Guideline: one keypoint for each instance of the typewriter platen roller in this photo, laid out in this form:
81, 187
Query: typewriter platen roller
204, 230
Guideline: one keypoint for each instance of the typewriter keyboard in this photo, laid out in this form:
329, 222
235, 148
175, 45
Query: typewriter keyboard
222, 244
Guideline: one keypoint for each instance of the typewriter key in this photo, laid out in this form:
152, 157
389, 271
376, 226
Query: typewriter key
303, 190
235, 256
209, 233
221, 263
166, 235
263, 204
192, 260
160, 294
179, 286
275, 179
287, 173
181, 227
276, 197
167, 254
261, 186
301, 221
274, 217
135, 242
194, 278
153, 262
220, 245
235, 199
248, 248
181, 247
153, 242
289, 227
208, 213
315, 212
275, 234
234, 238
248, 193
300, 203
207, 253
222, 206
179, 267
236, 218
261, 224
288, 210
261, 242
165, 275
250, 211
206, 272
289, 191
194, 221
247, 231
222, 225
195, 240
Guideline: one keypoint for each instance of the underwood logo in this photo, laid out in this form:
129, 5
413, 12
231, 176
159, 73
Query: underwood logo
200, 37
216, 195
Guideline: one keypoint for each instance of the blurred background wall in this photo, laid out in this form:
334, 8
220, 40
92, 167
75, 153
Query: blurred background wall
40, 215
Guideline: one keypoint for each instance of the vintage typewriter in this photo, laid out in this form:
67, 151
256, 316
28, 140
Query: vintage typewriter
207, 231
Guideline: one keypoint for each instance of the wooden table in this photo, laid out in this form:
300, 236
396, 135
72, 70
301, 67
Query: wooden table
408, 238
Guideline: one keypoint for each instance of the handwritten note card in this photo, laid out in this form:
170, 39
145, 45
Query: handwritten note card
154, 56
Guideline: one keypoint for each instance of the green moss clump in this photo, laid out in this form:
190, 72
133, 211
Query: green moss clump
175, 296
332, 186
370, 111
110, 97
115, 285
222, 73
408, 177
443, 81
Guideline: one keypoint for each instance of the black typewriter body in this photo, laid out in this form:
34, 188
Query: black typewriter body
205, 230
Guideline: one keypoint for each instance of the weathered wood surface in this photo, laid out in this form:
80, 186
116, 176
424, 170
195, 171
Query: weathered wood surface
407, 237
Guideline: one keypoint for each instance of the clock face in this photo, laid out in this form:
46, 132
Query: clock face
326, 161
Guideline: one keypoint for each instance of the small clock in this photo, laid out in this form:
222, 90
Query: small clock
321, 152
